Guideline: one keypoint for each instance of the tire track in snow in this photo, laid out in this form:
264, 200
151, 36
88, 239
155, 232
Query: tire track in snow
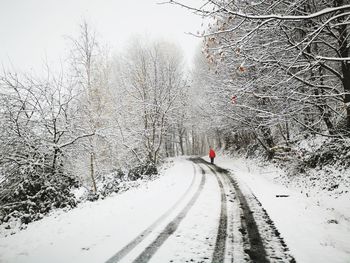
258, 252
130, 246
220, 244
149, 251
256, 249
221, 237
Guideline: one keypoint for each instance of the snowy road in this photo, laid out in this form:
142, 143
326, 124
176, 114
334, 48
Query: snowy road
196, 212
231, 236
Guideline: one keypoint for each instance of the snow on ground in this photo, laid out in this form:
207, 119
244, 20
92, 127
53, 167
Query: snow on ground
314, 224
94, 231
194, 240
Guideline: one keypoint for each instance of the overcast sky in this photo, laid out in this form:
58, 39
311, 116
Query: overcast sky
32, 30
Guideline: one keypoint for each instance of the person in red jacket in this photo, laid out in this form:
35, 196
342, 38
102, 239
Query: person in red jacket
211, 155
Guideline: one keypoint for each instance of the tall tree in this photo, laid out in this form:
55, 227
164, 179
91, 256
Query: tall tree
152, 81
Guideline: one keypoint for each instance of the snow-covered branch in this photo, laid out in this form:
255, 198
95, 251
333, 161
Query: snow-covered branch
74, 140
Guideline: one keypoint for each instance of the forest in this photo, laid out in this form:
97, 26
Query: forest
269, 76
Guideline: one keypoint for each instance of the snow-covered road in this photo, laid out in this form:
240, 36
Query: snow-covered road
195, 212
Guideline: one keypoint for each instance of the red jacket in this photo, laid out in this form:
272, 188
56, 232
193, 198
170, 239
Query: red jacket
211, 153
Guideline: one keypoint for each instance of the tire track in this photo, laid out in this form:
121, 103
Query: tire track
220, 244
256, 249
149, 251
130, 246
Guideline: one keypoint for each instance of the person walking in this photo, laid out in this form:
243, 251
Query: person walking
211, 155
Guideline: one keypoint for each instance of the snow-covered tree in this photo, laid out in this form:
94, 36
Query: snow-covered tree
151, 81
91, 70
278, 68
37, 116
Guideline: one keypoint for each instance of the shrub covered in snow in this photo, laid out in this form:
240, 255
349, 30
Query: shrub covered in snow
110, 183
332, 152
142, 169
120, 181
35, 194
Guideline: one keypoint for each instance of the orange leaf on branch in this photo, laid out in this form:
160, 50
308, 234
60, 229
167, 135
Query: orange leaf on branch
241, 69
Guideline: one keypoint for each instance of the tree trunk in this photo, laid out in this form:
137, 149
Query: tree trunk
269, 152
182, 133
54, 161
218, 138
346, 84
92, 172
181, 144
266, 132
193, 142
344, 53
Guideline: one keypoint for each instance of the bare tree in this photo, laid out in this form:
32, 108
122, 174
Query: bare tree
152, 83
91, 70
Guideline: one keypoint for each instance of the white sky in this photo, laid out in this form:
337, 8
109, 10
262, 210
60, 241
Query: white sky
32, 30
